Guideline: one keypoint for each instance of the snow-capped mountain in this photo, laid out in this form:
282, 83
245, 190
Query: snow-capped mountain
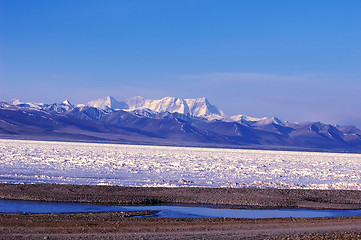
19, 103
167, 104
67, 102
199, 107
170, 121
108, 102
59, 107
252, 121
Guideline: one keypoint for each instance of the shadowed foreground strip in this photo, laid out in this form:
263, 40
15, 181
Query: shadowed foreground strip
116, 226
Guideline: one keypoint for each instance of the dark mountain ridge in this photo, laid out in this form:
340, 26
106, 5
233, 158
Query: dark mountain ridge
66, 122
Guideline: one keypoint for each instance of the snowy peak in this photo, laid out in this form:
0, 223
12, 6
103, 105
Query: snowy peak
108, 102
167, 104
60, 107
271, 120
17, 102
199, 107
67, 102
252, 121
243, 119
136, 102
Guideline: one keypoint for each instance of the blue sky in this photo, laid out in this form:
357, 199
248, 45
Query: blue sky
297, 60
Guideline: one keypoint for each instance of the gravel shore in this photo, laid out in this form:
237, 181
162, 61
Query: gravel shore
122, 226
231, 197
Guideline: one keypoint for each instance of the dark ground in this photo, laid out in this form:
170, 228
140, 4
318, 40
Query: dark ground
121, 226
238, 197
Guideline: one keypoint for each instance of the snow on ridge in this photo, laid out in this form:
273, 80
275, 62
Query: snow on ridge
108, 102
199, 107
167, 104
15, 102
19, 103
136, 102
202, 107
67, 102
241, 117
257, 121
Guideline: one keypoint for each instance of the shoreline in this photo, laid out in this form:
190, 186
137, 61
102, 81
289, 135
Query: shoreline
118, 225
249, 198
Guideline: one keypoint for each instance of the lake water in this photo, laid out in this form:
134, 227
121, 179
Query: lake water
15, 206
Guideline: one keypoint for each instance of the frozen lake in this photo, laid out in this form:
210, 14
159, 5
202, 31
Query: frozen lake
24, 161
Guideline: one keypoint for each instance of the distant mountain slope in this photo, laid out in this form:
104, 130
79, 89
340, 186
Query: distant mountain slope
169, 121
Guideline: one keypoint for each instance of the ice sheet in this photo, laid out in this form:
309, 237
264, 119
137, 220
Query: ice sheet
25, 161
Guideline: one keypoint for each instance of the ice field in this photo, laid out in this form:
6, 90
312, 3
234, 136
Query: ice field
25, 161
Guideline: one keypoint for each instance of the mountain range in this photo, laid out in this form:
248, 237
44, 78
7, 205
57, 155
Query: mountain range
168, 121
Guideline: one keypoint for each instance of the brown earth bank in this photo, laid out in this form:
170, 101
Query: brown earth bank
231, 197
117, 226
122, 226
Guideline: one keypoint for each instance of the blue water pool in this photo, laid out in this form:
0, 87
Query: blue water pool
15, 206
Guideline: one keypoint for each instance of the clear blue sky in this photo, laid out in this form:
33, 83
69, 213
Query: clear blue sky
297, 60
